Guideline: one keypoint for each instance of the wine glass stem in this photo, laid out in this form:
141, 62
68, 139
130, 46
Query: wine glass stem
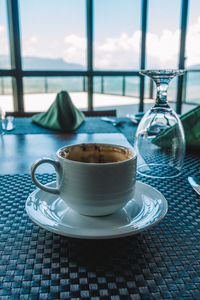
161, 98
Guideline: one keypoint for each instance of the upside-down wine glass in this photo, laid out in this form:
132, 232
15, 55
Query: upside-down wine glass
160, 141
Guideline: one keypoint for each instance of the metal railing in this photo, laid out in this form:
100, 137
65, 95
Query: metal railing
18, 74
102, 87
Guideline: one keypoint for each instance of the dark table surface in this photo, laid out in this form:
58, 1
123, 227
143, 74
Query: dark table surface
161, 263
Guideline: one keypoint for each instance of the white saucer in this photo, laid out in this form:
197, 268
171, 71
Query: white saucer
146, 209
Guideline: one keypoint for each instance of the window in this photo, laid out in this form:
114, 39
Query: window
192, 57
4, 48
193, 36
163, 36
40, 92
54, 51
53, 34
117, 34
6, 99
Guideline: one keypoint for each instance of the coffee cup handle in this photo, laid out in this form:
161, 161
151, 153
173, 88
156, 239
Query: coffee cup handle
36, 164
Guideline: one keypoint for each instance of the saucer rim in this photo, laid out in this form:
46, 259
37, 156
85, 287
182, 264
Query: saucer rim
131, 231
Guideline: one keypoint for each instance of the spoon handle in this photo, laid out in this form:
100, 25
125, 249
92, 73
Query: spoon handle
194, 184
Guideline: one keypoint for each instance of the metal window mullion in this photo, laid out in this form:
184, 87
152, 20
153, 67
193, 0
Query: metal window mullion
184, 17
15, 52
102, 85
123, 85
143, 52
90, 52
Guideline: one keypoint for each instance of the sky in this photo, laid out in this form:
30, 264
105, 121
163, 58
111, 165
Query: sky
57, 29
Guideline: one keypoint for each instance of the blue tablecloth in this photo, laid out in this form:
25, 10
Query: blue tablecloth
91, 125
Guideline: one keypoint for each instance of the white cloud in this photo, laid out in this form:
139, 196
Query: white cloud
123, 51
75, 49
162, 51
2, 29
193, 44
122, 43
119, 52
30, 47
115, 44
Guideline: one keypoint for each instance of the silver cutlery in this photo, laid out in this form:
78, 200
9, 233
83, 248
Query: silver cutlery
117, 123
112, 121
136, 118
195, 183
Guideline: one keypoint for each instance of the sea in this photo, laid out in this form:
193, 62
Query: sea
113, 85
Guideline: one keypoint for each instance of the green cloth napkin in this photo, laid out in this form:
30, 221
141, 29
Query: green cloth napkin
191, 125
62, 115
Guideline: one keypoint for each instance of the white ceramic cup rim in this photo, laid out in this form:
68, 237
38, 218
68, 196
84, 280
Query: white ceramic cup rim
94, 163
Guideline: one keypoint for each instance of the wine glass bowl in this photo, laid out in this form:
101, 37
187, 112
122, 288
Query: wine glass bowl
160, 141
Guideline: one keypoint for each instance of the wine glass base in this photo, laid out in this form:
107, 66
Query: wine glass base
158, 171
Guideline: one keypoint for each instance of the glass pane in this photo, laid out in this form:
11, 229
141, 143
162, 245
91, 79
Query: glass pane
6, 98
172, 90
98, 85
192, 91
117, 86
34, 85
109, 94
53, 84
51, 36
4, 41
193, 36
147, 89
40, 92
149, 93
163, 37
113, 85
71, 84
132, 86
104, 84
117, 34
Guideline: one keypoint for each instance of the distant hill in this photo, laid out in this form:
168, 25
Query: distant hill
40, 63
194, 67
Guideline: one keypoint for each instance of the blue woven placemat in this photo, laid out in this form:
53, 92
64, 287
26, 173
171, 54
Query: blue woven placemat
161, 263
91, 125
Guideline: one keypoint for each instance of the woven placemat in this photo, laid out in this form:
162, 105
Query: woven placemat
161, 263
91, 125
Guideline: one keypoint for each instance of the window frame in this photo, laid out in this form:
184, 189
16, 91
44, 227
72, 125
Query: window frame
17, 73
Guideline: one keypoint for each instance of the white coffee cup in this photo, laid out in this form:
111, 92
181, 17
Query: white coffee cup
93, 179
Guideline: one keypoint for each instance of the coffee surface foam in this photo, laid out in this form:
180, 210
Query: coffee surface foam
96, 153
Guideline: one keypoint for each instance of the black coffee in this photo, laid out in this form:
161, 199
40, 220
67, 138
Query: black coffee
96, 153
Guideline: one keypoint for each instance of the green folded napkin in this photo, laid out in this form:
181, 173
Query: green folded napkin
191, 125
61, 115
